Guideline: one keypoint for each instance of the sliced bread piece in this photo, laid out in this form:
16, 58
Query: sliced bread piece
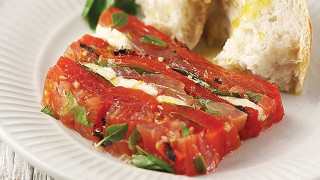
268, 38
183, 19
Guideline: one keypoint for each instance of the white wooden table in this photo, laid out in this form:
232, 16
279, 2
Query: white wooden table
13, 167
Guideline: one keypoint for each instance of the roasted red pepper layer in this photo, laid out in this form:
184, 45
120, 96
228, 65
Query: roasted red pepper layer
173, 138
177, 55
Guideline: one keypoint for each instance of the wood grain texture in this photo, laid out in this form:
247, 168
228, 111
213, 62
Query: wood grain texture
12, 167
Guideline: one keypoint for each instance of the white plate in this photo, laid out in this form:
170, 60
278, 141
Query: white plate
33, 33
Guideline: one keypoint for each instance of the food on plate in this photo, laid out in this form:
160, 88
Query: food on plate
269, 38
138, 93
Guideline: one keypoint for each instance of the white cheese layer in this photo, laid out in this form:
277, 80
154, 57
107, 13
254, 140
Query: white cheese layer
134, 84
113, 37
110, 75
172, 100
246, 103
106, 72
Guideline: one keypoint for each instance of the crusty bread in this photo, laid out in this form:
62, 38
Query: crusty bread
268, 38
183, 19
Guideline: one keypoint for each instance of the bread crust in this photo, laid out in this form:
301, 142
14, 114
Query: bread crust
280, 62
183, 19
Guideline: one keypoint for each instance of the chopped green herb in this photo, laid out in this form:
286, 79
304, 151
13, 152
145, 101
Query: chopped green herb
212, 111
204, 103
80, 115
254, 97
153, 40
119, 19
134, 138
48, 111
221, 93
102, 64
193, 77
114, 133
140, 70
200, 164
184, 129
78, 111
204, 84
149, 161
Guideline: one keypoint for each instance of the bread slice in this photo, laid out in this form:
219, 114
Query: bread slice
183, 19
267, 38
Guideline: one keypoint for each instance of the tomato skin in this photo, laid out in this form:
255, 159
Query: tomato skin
158, 123
88, 49
253, 127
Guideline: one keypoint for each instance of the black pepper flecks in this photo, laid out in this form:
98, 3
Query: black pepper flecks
97, 133
241, 108
218, 80
169, 152
90, 49
104, 121
120, 52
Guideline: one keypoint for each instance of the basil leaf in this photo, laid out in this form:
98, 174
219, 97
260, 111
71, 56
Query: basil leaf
48, 111
166, 166
204, 103
119, 19
184, 129
94, 8
92, 11
221, 93
80, 115
200, 164
129, 6
193, 77
153, 40
134, 138
87, 8
102, 64
149, 161
114, 133
140, 70
144, 162
78, 111
254, 97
